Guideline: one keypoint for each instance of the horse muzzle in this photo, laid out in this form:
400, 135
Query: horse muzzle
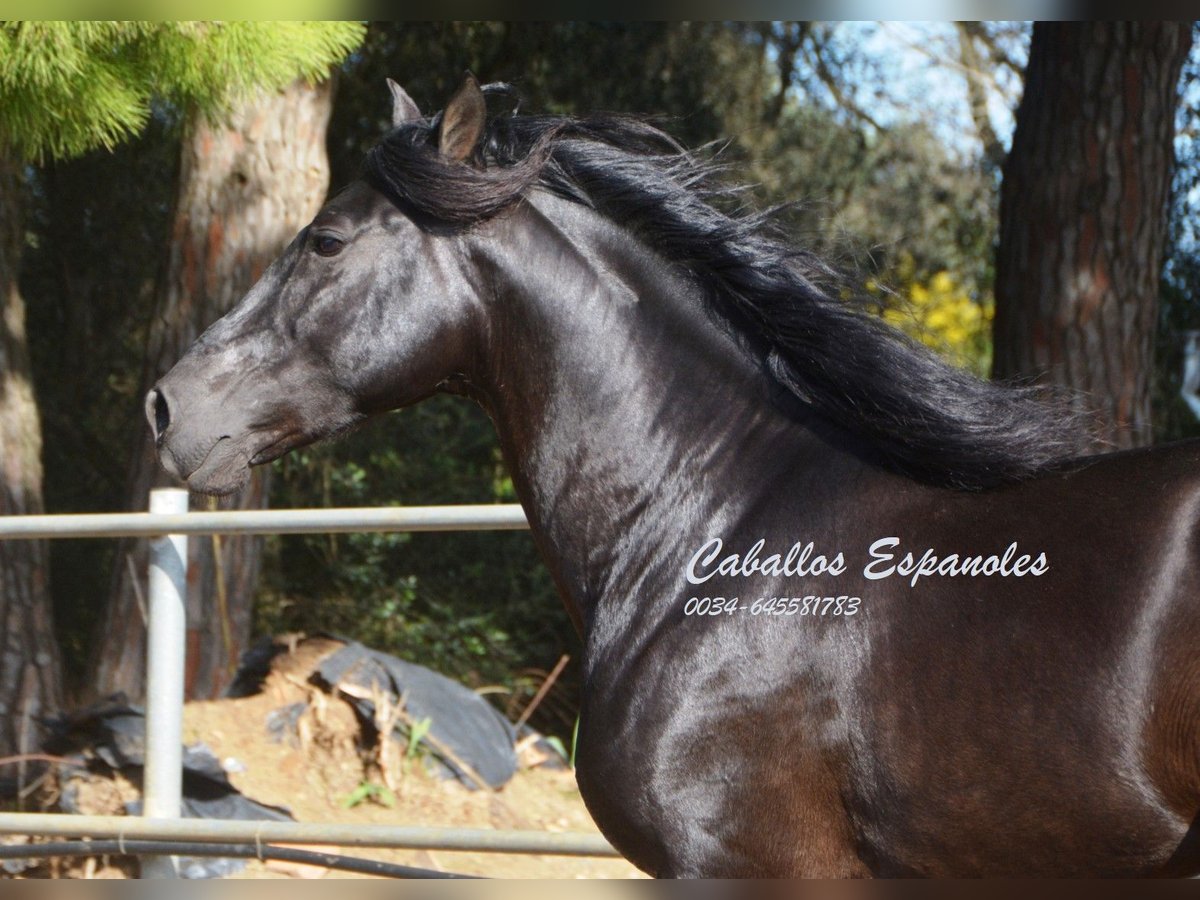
199, 448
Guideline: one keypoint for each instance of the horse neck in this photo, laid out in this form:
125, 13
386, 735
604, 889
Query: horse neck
622, 408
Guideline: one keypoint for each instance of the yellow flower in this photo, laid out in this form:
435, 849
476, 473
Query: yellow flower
942, 314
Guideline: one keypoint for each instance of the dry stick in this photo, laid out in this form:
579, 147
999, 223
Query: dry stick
137, 588
32, 787
386, 717
36, 757
542, 691
448, 753
21, 758
355, 691
28, 680
222, 600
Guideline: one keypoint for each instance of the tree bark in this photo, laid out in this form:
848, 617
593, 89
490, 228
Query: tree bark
31, 680
1083, 216
246, 187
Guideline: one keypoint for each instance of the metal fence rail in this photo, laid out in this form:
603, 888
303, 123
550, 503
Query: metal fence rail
227, 831
494, 517
167, 525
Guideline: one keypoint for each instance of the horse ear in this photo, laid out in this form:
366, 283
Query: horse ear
463, 121
403, 107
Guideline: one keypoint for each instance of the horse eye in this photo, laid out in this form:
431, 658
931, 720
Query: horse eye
327, 245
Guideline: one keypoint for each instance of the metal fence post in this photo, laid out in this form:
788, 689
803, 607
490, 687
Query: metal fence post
166, 637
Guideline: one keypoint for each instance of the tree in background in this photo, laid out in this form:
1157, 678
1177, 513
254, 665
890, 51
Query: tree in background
903, 203
65, 88
1179, 312
704, 79
1082, 216
246, 186
30, 667
248, 182
97, 231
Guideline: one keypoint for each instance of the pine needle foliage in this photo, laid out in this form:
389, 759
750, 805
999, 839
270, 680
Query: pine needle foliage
70, 87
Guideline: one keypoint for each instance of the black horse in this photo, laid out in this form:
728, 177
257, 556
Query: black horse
847, 610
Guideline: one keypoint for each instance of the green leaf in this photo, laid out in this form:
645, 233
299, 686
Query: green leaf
416, 734
358, 795
376, 793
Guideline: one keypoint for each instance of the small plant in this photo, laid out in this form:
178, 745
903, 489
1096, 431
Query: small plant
369, 791
557, 746
416, 732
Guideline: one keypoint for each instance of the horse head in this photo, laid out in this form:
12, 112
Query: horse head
363, 312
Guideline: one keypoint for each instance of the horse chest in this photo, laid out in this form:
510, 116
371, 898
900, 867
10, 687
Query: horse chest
680, 775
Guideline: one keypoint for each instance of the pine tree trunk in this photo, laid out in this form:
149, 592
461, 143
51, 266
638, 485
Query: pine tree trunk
31, 682
1083, 216
246, 187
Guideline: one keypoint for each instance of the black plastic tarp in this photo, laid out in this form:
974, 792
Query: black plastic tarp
459, 719
114, 732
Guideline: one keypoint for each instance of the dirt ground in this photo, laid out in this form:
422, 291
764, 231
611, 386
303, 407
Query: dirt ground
315, 772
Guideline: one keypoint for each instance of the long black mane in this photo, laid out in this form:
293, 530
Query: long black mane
927, 418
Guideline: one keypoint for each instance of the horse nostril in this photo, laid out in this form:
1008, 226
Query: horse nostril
158, 412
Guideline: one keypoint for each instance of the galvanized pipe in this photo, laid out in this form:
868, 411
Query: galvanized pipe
178, 523
166, 641
480, 517
228, 831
